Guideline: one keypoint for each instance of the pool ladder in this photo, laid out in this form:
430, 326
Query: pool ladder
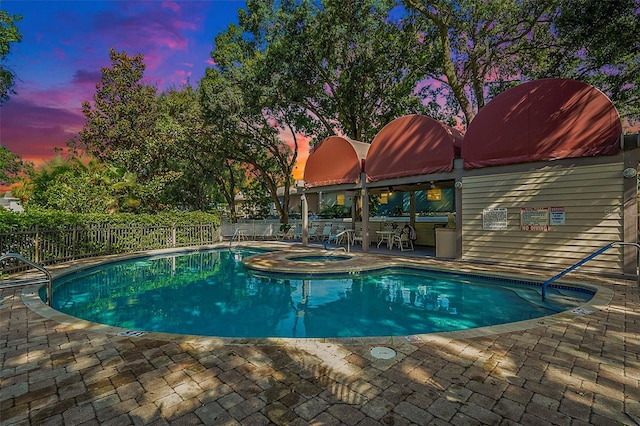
18, 282
236, 233
588, 258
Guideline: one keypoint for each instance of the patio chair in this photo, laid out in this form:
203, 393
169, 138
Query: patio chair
342, 238
285, 232
326, 233
313, 231
402, 238
297, 231
357, 237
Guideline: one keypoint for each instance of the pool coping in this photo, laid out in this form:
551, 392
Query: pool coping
601, 298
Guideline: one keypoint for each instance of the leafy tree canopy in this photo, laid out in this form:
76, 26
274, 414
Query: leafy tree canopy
11, 166
120, 124
9, 33
598, 42
476, 49
337, 67
121, 130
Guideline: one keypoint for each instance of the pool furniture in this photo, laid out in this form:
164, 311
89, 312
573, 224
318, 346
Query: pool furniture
326, 233
402, 238
313, 232
385, 237
356, 237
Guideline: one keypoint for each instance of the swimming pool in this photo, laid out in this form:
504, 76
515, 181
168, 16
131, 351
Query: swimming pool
212, 293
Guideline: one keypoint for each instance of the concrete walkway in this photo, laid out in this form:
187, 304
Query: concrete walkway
580, 371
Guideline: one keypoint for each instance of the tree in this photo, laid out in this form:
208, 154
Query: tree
120, 129
9, 33
343, 67
598, 42
475, 48
11, 166
294, 69
121, 122
63, 184
207, 175
248, 132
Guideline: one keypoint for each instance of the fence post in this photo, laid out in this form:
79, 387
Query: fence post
74, 244
37, 244
173, 235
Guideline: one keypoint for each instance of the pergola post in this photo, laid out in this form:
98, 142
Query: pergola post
305, 220
365, 213
412, 209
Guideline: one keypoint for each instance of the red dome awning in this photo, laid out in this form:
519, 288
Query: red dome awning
412, 145
335, 160
542, 120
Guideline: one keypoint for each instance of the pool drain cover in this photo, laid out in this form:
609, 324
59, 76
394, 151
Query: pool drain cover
380, 352
131, 333
583, 311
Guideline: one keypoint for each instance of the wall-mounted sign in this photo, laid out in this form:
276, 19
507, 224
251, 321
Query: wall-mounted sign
557, 215
434, 194
494, 219
534, 219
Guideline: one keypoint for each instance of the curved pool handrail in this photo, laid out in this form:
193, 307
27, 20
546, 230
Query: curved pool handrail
334, 237
33, 265
233, 237
585, 260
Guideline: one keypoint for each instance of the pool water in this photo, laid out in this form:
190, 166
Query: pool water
211, 293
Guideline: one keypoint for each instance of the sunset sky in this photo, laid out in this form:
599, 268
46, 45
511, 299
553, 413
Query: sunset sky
66, 43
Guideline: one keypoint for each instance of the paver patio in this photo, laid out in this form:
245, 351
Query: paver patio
582, 371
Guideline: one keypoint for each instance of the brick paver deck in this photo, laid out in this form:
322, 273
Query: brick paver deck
584, 371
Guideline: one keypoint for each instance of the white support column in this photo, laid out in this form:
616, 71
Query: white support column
365, 213
412, 209
305, 220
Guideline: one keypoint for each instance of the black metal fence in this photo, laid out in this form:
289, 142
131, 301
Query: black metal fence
50, 246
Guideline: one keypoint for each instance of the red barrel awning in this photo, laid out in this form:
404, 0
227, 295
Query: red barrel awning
412, 145
335, 160
542, 120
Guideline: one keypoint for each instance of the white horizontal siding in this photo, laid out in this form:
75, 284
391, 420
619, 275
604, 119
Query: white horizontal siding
591, 195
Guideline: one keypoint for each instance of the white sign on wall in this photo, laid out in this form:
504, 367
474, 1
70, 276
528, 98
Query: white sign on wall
494, 219
557, 215
534, 219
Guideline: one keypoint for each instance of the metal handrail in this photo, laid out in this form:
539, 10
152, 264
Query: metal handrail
588, 258
233, 236
334, 237
34, 265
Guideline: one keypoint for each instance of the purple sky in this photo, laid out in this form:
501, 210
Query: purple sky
66, 43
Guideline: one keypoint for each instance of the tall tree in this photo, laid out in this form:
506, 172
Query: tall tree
11, 165
9, 33
475, 48
207, 175
120, 128
597, 42
348, 67
294, 69
248, 131
121, 122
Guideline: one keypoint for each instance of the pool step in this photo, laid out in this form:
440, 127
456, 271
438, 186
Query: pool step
21, 282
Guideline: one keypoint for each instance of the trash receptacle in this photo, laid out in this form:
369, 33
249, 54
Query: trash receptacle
446, 243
